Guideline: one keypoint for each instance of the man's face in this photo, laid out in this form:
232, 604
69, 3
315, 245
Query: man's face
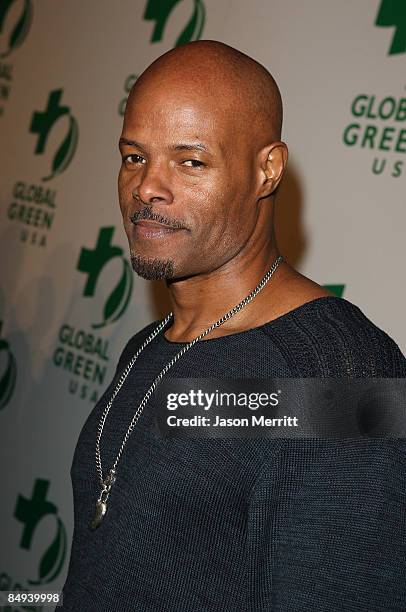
185, 165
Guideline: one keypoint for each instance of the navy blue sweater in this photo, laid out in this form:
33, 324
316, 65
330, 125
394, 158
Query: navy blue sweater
231, 525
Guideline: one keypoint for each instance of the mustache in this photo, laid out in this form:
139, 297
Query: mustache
146, 213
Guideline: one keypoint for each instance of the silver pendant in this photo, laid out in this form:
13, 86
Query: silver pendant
101, 508
101, 504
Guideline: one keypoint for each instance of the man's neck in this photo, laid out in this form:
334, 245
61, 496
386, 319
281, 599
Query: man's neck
199, 301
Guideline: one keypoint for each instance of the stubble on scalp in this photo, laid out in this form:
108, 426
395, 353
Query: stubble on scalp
152, 268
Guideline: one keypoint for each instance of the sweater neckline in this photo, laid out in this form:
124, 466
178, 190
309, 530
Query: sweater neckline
286, 315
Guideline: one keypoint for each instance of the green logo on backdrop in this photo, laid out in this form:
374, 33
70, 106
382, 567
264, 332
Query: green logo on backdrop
33, 206
30, 512
377, 122
21, 26
392, 14
92, 262
8, 371
80, 352
42, 124
15, 21
377, 125
159, 11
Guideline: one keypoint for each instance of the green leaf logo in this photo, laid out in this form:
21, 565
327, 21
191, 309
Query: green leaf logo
92, 262
8, 378
194, 28
119, 298
42, 123
159, 11
53, 558
66, 151
21, 28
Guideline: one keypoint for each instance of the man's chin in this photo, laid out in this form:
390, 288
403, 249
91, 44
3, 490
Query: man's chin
152, 268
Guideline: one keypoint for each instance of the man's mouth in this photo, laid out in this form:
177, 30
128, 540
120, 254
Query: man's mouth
152, 229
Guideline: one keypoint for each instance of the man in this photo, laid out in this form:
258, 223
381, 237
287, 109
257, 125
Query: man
228, 524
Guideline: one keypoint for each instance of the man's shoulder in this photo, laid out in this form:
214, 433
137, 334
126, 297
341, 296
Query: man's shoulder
331, 336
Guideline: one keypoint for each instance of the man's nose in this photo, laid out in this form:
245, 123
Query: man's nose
153, 186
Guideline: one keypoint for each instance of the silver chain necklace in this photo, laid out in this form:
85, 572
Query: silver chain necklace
108, 481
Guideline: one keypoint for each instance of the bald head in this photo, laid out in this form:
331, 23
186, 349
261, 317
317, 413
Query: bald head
227, 78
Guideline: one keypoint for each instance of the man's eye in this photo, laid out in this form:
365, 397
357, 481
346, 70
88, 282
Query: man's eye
193, 163
133, 159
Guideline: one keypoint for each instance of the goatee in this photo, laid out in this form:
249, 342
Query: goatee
152, 268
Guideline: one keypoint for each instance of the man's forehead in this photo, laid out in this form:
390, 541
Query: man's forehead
175, 102
178, 119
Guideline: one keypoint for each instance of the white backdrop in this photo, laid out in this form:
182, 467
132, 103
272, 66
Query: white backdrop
68, 298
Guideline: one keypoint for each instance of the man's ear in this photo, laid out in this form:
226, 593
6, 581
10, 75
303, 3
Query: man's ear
273, 159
